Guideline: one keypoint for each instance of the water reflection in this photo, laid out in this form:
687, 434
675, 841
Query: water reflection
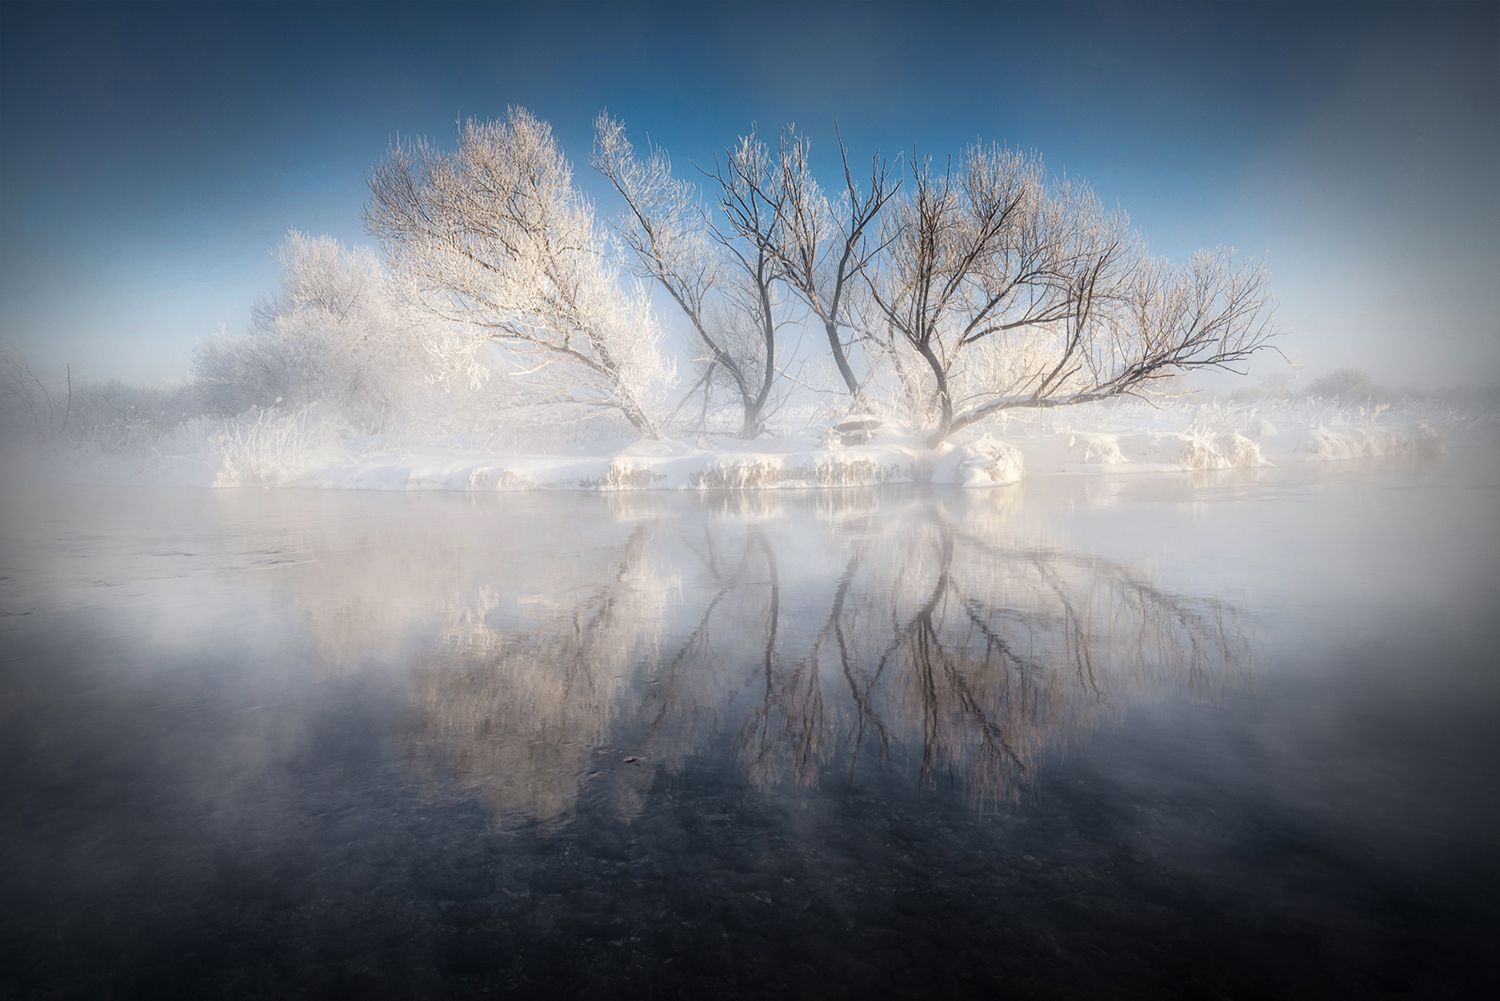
291, 744
960, 656
516, 710
826, 637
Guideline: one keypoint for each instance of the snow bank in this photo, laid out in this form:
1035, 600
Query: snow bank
1324, 443
1141, 451
984, 462
788, 464
297, 450
1134, 437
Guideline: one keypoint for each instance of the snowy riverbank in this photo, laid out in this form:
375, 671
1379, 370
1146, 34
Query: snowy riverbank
1122, 437
1114, 438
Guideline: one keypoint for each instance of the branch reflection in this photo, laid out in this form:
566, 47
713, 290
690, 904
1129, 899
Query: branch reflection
804, 640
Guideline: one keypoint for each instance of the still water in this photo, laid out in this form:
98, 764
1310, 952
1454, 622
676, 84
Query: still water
1214, 735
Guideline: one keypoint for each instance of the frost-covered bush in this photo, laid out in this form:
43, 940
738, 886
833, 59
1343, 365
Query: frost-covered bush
269, 446
332, 335
117, 417
1348, 385
58, 410
240, 372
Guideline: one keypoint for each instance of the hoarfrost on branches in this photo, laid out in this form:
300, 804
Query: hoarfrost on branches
492, 238
331, 334
722, 275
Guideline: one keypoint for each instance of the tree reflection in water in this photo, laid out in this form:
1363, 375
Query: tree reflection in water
961, 656
825, 635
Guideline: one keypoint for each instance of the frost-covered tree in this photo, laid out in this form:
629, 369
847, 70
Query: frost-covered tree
722, 277
493, 241
823, 246
240, 372
773, 227
1015, 290
330, 334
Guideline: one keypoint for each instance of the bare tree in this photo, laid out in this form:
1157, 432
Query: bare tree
774, 205
821, 247
986, 285
1015, 291
722, 284
24, 398
494, 240
750, 206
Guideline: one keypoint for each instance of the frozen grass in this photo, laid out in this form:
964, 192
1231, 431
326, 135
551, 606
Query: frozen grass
269, 446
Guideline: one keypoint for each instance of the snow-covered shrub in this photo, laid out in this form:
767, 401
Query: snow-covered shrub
1350, 386
331, 335
68, 412
116, 417
270, 446
237, 373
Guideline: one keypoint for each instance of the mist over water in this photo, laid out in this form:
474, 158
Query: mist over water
1224, 734
717, 501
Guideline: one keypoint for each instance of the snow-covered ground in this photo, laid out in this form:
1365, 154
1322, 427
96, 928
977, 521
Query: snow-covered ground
1132, 436
298, 450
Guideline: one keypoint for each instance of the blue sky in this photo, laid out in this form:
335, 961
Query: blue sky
152, 155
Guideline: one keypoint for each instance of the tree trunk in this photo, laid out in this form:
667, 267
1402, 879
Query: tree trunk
750, 428
638, 419
945, 401
837, 347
